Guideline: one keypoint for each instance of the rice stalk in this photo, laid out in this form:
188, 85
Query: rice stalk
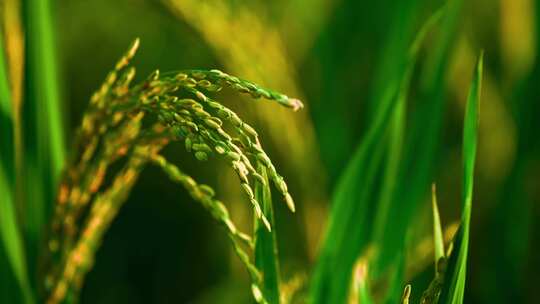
132, 123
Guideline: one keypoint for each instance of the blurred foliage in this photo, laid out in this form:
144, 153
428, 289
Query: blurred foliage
338, 56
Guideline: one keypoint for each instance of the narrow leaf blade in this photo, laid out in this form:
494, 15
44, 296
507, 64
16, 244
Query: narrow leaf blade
457, 273
349, 227
266, 252
42, 128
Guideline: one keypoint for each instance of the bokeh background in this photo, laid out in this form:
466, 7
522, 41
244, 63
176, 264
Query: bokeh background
164, 248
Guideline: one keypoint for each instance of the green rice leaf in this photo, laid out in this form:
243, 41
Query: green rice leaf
266, 251
349, 226
420, 147
43, 135
455, 287
346, 234
43, 84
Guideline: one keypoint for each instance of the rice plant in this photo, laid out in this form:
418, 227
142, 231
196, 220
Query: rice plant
130, 125
115, 128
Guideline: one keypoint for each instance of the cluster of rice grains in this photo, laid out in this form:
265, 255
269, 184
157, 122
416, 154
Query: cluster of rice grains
113, 130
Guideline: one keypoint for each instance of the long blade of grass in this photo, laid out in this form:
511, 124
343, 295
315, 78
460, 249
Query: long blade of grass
394, 54
43, 76
391, 173
266, 251
394, 154
346, 235
348, 231
457, 274
9, 231
42, 60
43, 135
397, 133
419, 157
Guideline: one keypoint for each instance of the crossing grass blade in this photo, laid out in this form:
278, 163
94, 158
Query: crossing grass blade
349, 225
387, 199
394, 154
11, 242
453, 292
417, 162
346, 234
393, 157
266, 251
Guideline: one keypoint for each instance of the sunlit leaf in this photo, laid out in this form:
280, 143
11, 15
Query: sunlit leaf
457, 271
